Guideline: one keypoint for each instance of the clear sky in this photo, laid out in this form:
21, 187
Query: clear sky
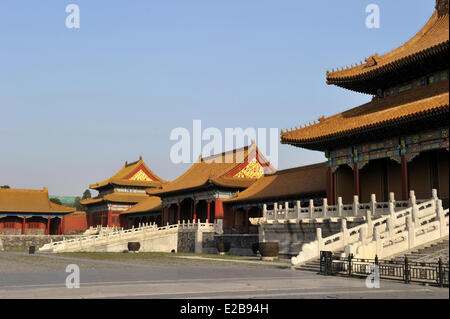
75, 104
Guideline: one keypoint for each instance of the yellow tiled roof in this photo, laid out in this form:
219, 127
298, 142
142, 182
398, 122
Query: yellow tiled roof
431, 39
116, 198
304, 180
29, 201
148, 205
209, 171
124, 176
379, 112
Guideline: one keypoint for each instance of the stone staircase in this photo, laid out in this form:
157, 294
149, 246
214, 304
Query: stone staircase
389, 235
430, 252
151, 237
313, 265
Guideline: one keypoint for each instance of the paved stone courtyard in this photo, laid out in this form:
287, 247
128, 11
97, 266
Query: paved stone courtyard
169, 276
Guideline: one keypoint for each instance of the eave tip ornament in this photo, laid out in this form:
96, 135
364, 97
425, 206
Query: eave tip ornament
371, 61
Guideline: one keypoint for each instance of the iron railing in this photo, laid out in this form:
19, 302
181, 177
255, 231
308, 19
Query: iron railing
404, 270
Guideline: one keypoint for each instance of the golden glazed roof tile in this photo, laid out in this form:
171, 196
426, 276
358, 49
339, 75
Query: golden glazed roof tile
132, 174
30, 201
379, 112
148, 205
294, 182
219, 170
116, 197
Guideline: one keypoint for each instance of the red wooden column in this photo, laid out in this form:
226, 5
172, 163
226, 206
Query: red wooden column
356, 180
246, 220
48, 226
23, 225
62, 225
330, 186
195, 210
208, 211
218, 207
405, 182
108, 218
179, 211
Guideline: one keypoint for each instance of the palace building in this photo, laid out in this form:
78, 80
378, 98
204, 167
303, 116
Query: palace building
30, 212
117, 194
399, 140
302, 184
147, 211
199, 193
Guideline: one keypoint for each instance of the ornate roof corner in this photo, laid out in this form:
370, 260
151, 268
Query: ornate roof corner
442, 7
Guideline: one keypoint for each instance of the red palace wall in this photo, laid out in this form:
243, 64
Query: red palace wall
74, 224
33, 226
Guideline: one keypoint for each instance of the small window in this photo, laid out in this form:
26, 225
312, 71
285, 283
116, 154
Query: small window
34, 225
9, 225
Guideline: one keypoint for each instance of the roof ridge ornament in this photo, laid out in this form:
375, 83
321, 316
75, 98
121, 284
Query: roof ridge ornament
371, 61
442, 7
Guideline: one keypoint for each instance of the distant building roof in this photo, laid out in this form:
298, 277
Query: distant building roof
116, 198
30, 201
235, 169
148, 205
132, 174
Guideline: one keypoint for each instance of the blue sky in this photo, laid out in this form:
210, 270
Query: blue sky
76, 104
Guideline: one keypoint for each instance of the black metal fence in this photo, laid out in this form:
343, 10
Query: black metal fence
405, 270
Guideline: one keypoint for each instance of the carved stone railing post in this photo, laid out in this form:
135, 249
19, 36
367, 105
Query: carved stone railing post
411, 232
373, 204
412, 198
340, 207
355, 205
369, 223
441, 217
344, 231
434, 195
311, 208
286, 209
265, 210
325, 207
363, 234
390, 222
378, 243
275, 210
299, 209
391, 203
